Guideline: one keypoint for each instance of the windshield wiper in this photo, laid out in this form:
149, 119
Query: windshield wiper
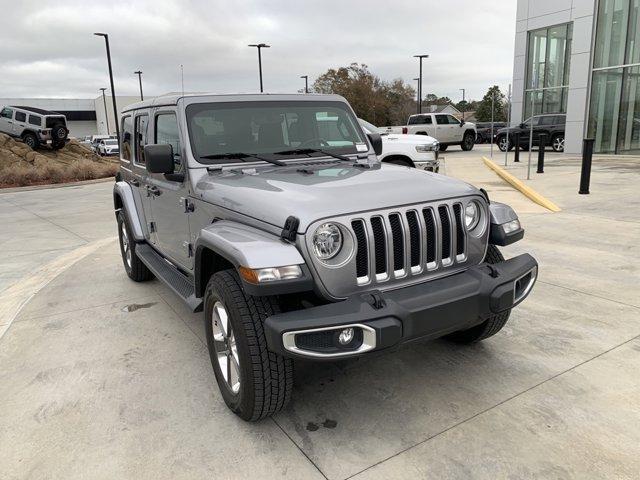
242, 156
307, 151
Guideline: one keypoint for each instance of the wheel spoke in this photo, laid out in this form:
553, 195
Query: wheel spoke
234, 373
222, 317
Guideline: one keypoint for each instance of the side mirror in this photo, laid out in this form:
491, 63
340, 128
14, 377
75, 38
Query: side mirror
159, 158
376, 142
462, 122
521, 125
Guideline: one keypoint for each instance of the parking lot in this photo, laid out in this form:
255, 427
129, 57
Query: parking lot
106, 378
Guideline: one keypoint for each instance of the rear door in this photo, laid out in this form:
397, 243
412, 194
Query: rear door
19, 123
170, 196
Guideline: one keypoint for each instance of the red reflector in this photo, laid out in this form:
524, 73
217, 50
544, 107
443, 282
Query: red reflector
405, 130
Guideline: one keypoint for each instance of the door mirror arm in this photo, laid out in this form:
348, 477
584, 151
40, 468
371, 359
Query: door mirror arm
174, 177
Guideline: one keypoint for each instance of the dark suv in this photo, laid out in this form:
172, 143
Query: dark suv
483, 131
552, 125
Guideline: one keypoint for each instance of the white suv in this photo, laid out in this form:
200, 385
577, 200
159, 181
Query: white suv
36, 127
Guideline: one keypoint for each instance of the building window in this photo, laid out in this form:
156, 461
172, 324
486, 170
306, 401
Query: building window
547, 85
614, 112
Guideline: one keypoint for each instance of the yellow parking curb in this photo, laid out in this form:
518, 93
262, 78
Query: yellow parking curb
527, 191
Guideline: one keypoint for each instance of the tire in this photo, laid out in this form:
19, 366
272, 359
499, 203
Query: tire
443, 148
59, 133
557, 143
136, 270
468, 141
262, 383
489, 327
504, 143
31, 140
400, 161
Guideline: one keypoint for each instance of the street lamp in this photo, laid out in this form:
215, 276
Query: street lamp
417, 94
463, 103
306, 83
420, 82
104, 101
113, 91
260, 46
139, 73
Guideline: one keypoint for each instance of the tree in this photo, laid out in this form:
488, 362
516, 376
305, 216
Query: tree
483, 111
374, 100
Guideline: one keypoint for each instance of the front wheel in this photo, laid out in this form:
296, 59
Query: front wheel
557, 143
504, 143
31, 141
489, 327
136, 270
468, 141
443, 148
254, 382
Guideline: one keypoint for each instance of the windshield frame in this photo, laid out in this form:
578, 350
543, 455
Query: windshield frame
361, 139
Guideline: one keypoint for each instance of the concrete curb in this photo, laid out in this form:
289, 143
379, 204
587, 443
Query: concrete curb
55, 185
527, 191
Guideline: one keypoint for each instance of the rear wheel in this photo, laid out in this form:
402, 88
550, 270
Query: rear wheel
468, 141
489, 327
254, 382
31, 140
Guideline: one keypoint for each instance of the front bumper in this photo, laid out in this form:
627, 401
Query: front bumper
386, 319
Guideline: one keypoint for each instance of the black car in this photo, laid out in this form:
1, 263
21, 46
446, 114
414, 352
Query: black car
552, 125
483, 131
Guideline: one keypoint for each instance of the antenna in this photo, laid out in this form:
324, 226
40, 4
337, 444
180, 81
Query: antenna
182, 76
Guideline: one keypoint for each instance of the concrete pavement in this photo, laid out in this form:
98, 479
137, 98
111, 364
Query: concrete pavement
105, 378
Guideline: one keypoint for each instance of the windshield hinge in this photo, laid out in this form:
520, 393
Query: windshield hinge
290, 229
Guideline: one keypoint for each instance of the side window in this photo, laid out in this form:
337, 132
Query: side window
21, 117
140, 136
548, 120
127, 138
35, 120
6, 113
167, 133
453, 120
442, 120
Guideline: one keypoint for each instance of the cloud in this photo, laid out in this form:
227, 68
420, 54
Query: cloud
48, 50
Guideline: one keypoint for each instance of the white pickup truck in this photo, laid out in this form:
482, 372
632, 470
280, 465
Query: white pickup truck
418, 151
444, 127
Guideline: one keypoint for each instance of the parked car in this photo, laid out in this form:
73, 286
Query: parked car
417, 151
552, 125
34, 126
96, 139
483, 131
108, 146
446, 128
298, 244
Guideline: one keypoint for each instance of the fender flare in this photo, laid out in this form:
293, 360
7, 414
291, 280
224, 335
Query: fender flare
123, 200
242, 245
501, 214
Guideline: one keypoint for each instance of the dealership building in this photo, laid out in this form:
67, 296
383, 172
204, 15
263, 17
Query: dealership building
84, 116
581, 58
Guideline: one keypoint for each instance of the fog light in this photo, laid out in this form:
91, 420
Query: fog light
346, 336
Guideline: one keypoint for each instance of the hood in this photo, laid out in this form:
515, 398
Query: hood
313, 192
405, 138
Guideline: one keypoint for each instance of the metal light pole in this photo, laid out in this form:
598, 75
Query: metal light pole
420, 82
417, 93
104, 101
260, 46
139, 73
306, 83
463, 101
493, 101
113, 91
506, 152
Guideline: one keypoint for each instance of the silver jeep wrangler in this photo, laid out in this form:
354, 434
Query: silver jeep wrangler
296, 242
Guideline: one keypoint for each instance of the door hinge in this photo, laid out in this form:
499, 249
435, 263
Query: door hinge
187, 204
188, 248
152, 227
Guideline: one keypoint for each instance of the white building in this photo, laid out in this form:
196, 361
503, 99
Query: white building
582, 58
84, 116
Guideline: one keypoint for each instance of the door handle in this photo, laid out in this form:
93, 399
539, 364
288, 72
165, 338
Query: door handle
135, 183
153, 190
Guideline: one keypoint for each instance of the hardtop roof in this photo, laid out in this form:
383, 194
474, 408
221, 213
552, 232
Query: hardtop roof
39, 111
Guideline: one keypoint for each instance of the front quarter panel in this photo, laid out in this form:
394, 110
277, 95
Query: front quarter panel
123, 191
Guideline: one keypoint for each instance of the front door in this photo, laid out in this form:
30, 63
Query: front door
444, 133
170, 196
6, 121
457, 130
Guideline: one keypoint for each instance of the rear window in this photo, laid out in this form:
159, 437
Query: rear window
53, 121
35, 120
419, 120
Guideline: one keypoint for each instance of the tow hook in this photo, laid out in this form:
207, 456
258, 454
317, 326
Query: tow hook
375, 300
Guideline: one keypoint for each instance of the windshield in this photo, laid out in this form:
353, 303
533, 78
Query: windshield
266, 127
369, 127
111, 142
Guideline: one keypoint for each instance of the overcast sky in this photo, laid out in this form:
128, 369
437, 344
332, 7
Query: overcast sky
47, 48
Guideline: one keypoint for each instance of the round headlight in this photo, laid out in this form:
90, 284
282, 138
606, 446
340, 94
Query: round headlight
327, 241
471, 215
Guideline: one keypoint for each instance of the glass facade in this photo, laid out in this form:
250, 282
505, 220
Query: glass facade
614, 113
549, 51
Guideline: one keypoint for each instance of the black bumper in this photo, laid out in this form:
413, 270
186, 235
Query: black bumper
427, 310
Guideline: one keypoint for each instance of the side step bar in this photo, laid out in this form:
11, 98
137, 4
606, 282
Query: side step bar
169, 274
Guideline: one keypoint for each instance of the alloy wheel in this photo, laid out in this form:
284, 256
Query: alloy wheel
224, 343
558, 144
504, 144
126, 245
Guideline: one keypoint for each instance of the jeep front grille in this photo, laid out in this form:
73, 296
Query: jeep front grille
408, 242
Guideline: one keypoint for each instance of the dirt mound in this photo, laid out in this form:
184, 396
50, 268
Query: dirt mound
19, 165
